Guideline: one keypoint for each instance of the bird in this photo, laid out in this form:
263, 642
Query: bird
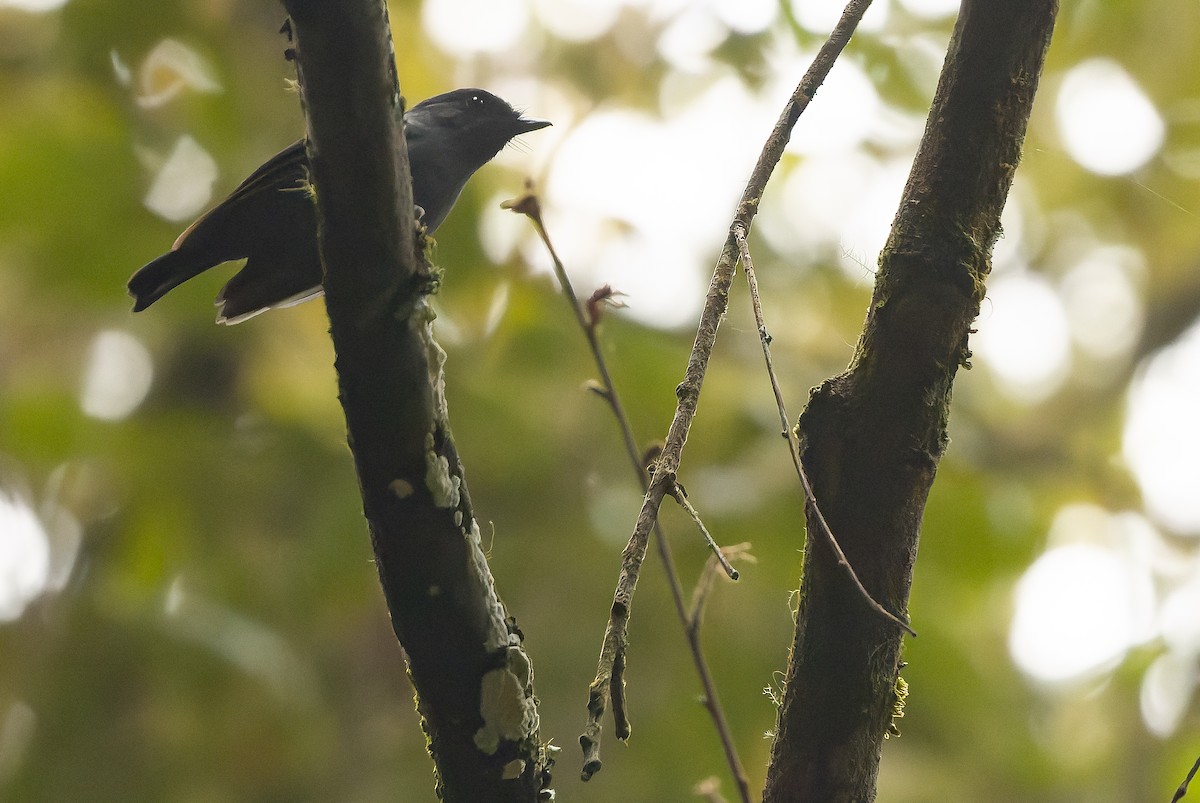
270, 218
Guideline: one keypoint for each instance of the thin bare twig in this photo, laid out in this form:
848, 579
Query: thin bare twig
612, 653
680, 496
1183, 787
712, 703
810, 499
529, 206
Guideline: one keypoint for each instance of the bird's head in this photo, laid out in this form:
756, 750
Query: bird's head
476, 123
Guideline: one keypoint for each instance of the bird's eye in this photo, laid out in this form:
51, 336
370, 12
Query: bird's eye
475, 101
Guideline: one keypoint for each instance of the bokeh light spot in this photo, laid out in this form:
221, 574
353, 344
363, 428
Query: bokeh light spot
169, 69
1107, 123
842, 114
1167, 688
745, 16
1023, 337
819, 16
689, 38
644, 225
24, 556
33, 6
465, 27
1162, 434
1102, 304
1079, 607
576, 20
118, 375
183, 185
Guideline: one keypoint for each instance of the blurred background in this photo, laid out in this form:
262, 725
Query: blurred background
188, 611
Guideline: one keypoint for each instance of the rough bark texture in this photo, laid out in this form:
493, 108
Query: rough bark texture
472, 676
872, 437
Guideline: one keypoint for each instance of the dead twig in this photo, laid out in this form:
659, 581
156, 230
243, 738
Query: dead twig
810, 499
679, 495
612, 653
613, 683
1183, 787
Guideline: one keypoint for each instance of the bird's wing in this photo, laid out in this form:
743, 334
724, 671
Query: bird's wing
285, 171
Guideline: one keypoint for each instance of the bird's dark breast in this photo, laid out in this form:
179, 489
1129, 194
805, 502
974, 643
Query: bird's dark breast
435, 184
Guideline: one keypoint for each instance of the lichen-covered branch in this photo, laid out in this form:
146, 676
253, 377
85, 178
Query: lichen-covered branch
472, 676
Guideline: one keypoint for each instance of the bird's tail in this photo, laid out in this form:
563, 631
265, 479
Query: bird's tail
155, 279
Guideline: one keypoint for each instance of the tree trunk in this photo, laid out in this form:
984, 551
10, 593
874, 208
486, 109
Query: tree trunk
472, 676
873, 436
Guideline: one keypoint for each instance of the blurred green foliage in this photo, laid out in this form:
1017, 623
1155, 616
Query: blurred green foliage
221, 635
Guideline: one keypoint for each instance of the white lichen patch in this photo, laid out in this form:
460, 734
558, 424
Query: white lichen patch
506, 703
498, 637
443, 486
435, 356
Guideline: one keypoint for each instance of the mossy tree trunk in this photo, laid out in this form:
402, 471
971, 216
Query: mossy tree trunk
872, 436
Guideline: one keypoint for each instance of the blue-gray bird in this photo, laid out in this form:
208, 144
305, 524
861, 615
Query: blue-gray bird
270, 219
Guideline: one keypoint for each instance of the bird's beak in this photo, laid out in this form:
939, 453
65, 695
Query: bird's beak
527, 124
